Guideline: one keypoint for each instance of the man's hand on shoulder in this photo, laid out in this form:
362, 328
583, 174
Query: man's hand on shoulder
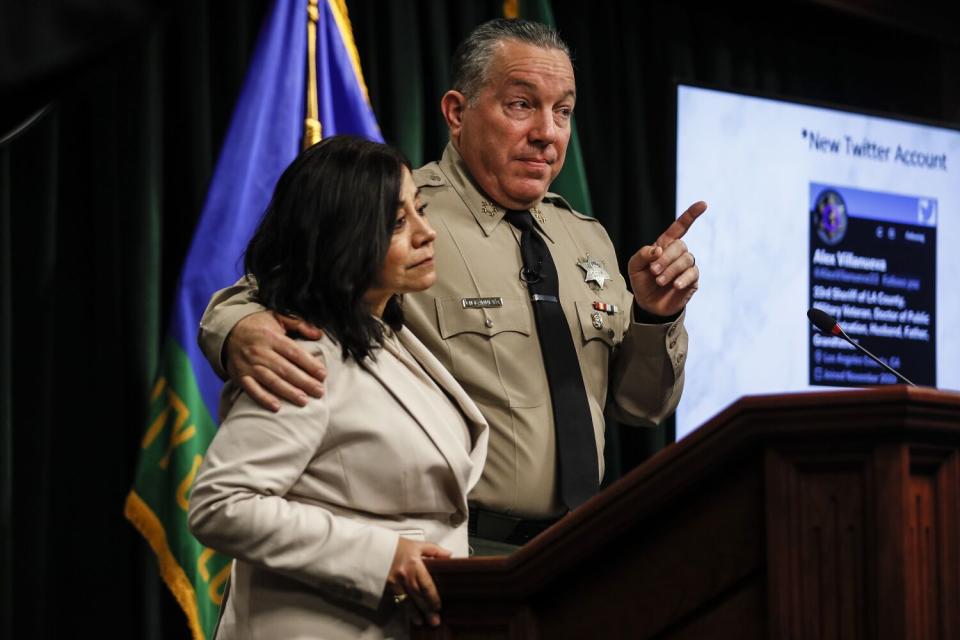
664, 275
267, 364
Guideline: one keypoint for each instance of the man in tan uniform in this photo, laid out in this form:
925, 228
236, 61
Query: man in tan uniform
509, 119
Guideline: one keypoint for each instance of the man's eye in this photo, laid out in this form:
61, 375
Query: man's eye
565, 112
520, 104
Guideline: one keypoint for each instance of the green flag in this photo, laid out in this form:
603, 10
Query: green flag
178, 433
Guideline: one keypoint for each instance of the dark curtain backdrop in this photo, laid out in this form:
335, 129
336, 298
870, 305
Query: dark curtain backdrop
98, 199
99, 195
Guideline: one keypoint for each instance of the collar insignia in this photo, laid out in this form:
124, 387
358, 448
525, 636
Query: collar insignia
489, 209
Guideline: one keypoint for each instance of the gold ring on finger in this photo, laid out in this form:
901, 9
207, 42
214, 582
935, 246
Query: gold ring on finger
399, 598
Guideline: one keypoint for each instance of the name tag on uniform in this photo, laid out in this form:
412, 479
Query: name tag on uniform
481, 303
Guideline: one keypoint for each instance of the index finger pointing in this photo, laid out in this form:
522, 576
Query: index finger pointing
682, 224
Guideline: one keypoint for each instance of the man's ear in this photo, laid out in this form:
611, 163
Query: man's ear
452, 105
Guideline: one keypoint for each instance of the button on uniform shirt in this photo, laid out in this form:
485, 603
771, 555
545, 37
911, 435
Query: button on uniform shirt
478, 321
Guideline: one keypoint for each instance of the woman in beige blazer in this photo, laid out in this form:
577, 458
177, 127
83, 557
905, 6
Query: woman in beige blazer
329, 509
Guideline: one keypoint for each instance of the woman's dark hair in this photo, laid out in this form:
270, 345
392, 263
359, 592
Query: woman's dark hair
324, 237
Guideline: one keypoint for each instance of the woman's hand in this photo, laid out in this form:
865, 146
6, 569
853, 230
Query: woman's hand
410, 582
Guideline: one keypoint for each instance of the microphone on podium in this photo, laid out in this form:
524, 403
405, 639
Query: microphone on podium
828, 324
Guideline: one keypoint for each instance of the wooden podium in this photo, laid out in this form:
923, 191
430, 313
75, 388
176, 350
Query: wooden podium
820, 515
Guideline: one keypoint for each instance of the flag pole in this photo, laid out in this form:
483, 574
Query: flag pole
312, 130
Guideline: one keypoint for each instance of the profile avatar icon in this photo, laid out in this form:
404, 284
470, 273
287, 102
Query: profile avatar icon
830, 217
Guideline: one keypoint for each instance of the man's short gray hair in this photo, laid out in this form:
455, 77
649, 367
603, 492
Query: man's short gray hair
471, 60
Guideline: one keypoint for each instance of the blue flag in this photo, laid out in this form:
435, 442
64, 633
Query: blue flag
265, 135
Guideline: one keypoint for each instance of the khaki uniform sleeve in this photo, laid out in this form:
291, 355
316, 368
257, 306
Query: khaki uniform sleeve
227, 307
646, 370
647, 373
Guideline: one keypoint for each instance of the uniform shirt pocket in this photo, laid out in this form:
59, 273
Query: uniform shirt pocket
600, 325
455, 319
490, 348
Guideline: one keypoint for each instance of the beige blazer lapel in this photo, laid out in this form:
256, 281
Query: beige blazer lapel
479, 431
404, 389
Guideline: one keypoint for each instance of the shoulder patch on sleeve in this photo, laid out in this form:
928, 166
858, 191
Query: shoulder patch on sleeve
559, 201
429, 175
